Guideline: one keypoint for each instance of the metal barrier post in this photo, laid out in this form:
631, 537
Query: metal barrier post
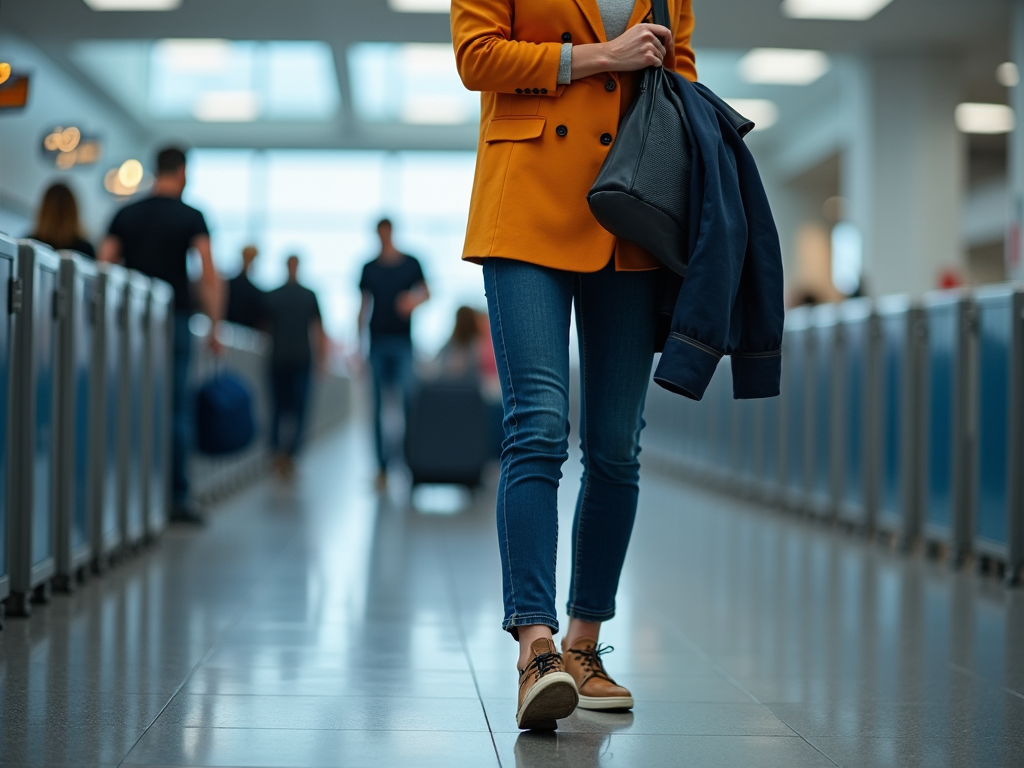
997, 401
130, 450
33, 475
948, 430
78, 285
822, 447
10, 306
156, 425
105, 410
796, 416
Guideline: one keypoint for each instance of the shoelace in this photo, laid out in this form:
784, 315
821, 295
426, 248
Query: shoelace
543, 663
591, 660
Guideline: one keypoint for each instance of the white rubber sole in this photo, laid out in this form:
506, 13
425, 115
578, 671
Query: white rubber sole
606, 702
552, 697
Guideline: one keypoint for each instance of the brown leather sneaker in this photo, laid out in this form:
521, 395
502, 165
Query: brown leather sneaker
597, 689
546, 692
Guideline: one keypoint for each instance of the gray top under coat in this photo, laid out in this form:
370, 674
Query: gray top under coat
615, 17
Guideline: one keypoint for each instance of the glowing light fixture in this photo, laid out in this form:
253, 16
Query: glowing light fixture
227, 107
133, 5
783, 66
420, 6
194, 56
1008, 74
985, 118
5, 72
763, 112
62, 140
843, 10
130, 173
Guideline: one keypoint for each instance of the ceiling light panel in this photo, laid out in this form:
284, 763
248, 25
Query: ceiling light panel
133, 5
783, 66
985, 118
420, 6
843, 10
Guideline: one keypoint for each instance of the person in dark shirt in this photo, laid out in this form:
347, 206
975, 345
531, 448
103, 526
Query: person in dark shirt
58, 224
245, 300
392, 286
154, 236
292, 315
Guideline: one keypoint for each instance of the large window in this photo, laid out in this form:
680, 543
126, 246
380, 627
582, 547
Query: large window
324, 205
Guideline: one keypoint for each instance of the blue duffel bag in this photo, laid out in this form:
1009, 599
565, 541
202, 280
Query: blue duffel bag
224, 415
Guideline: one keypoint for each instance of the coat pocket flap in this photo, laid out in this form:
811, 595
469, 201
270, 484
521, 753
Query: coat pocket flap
515, 128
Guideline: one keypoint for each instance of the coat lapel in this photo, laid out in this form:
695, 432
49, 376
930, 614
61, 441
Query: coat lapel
593, 14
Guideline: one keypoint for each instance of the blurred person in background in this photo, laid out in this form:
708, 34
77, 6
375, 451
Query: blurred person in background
154, 236
292, 315
392, 286
245, 300
460, 358
58, 224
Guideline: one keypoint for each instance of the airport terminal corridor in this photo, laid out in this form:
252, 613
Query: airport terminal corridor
320, 624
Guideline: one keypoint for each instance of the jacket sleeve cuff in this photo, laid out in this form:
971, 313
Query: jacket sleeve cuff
756, 376
686, 366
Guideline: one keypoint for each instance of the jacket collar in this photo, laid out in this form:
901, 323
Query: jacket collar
641, 9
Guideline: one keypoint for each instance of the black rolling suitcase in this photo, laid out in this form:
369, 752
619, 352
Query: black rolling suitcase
447, 439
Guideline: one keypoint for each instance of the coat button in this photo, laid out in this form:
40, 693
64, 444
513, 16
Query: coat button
543, 90
536, 90
609, 86
606, 139
566, 37
519, 90
561, 130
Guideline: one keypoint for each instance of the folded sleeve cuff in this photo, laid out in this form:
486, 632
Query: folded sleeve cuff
756, 375
686, 366
565, 65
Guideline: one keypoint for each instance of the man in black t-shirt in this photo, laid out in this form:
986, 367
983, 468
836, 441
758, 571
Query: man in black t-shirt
245, 300
292, 315
154, 236
392, 286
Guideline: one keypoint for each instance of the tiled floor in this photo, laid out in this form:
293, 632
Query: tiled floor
320, 626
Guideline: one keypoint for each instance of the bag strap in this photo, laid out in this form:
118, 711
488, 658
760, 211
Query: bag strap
659, 10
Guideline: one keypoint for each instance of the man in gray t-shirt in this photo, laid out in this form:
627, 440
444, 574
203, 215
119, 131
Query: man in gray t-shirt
292, 316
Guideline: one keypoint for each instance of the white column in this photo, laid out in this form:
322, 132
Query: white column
1014, 240
904, 169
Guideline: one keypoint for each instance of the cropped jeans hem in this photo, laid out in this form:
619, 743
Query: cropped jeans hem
528, 620
591, 616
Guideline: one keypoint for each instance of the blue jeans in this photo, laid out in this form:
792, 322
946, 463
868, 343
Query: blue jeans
530, 308
289, 387
392, 367
181, 408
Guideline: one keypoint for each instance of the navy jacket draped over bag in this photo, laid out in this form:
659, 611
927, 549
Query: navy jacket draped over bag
731, 301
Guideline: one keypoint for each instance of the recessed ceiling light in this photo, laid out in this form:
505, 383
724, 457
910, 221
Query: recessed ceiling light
846, 10
194, 55
227, 107
420, 6
783, 66
133, 5
1008, 74
985, 118
763, 112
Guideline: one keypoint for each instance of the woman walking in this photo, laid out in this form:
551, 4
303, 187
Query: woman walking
556, 77
58, 224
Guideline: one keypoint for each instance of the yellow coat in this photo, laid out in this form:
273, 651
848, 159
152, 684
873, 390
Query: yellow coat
541, 143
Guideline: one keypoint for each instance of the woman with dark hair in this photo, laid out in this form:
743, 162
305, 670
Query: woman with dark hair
58, 224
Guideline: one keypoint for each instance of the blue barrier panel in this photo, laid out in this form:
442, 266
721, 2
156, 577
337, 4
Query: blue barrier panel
946, 475
10, 301
157, 413
795, 417
106, 407
33, 468
78, 284
997, 501
746, 426
895, 450
131, 503
857, 413
768, 448
821, 448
